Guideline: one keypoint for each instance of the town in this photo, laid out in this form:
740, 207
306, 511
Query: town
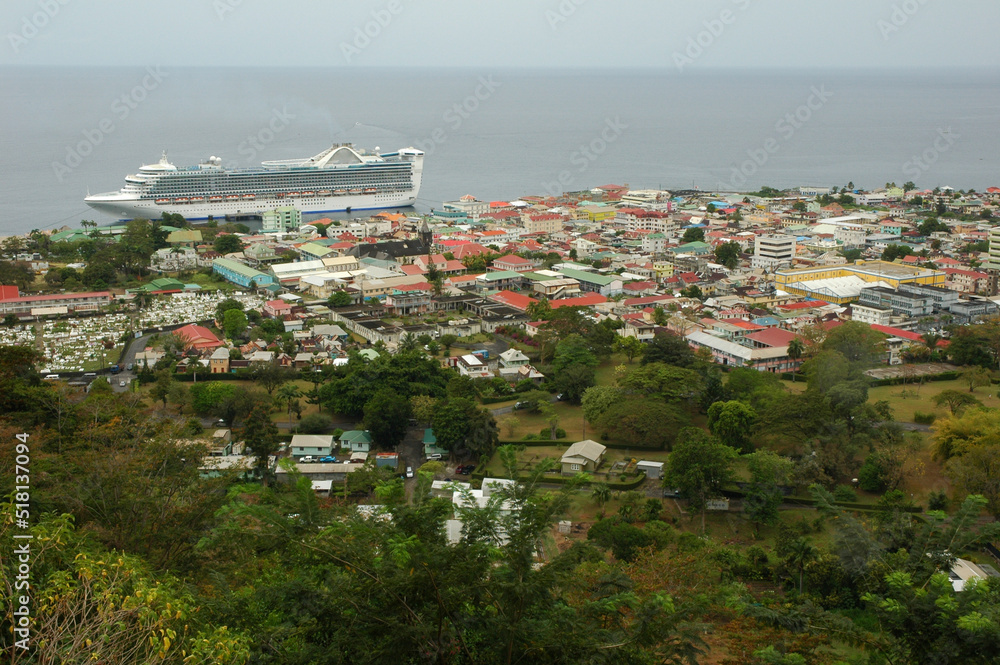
660, 373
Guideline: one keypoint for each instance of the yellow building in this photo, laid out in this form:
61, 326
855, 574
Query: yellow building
663, 269
842, 284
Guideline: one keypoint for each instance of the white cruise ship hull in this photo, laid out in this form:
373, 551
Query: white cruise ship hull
124, 208
339, 179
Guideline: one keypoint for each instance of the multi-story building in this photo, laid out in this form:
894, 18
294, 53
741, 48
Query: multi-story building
994, 261
773, 251
871, 314
543, 223
12, 302
902, 303
281, 219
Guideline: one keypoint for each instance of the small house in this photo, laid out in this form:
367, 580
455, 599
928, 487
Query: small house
652, 469
317, 445
357, 441
583, 456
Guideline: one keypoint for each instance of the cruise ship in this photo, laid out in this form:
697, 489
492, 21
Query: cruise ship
339, 179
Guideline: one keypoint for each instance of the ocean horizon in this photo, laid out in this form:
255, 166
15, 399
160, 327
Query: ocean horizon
498, 134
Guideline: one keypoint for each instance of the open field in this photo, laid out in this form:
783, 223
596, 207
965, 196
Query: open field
905, 400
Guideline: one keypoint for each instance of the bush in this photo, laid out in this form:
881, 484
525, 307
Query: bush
871, 477
845, 493
922, 418
937, 501
193, 427
316, 423
546, 433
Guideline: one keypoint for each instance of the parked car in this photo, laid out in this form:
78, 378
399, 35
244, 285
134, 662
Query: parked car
308, 459
409, 472
522, 405
327, 459
465, 469
122, 383
129, 367
436, 457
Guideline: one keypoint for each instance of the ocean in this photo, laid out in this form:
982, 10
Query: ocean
497, 134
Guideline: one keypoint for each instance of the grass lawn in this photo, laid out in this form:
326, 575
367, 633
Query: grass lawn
905, 400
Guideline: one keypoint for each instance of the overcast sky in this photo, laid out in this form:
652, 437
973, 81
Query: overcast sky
503, 33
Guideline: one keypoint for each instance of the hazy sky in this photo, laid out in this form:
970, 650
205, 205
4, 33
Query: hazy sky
507, 33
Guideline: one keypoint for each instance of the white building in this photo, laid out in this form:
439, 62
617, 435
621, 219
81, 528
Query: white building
773, 251
871, 315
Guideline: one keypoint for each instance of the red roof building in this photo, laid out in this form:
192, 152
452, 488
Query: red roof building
770, 337
514, 263
518, 301
198, 337
588, 300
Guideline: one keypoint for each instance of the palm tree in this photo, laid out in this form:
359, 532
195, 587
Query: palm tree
408, 342
795, 350
601, 493
800, 553
286, 394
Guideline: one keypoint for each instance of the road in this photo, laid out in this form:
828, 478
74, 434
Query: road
138, 344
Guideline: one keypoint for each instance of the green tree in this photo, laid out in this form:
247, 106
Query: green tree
975, 377
693, 234
598, 399
226, 243
288, 395
261, 438
340, 299
669, 349
463, 428
800, 553
857, 342
642, 422
956, 400
628, 346
422, 408
386, 416
699, 466
601, 493
234, 324
763, 497
269, 375
733, 423
728, 254
161, 389
225, 306
795, 351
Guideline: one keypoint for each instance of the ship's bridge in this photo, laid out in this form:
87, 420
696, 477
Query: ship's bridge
161, 166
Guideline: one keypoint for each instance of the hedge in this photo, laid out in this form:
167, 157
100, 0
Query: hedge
808, 501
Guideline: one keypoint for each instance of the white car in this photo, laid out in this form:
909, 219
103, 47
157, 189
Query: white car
307, 459
436, 457
409, 472
122, 383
